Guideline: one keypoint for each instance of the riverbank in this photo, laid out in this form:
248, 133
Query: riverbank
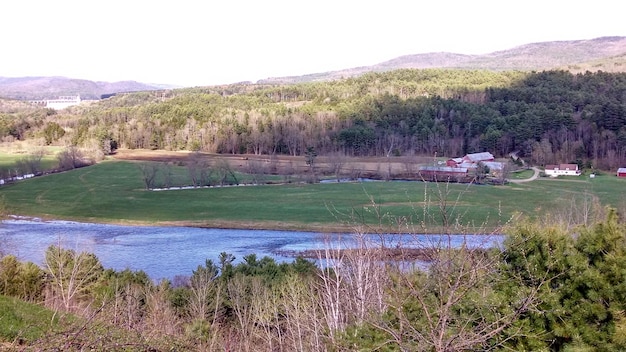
165, 252
270, 226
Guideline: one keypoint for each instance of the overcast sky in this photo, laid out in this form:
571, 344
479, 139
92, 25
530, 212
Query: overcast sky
207, 42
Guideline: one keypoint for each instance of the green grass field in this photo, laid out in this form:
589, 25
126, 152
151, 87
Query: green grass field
28, 326
522, 174
113, 192
9, 159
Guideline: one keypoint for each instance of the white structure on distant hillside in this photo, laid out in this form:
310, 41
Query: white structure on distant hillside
63, 102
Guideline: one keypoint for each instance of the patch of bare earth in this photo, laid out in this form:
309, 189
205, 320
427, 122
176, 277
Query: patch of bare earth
376, 167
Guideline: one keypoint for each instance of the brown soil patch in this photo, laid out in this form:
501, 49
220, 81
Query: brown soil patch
375, 167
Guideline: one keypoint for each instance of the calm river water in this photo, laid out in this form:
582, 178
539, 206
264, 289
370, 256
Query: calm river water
164, 252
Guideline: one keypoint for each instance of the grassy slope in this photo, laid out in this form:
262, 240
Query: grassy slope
22, 321
113, 192
27, 326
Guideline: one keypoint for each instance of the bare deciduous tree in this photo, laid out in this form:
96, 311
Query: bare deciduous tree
355, 172
453, 305
198, 169
124, 302
352, 284
205, 302
257, 169
168, 176
202, 284
583, 209
71, 158
331, 290
336, 162
72, 275
239, 291
31, 163
310, 157
302, 322
160, 319
225, 174
266, 315
148, 174
410, 166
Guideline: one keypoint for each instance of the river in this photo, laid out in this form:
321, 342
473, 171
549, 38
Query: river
165, 252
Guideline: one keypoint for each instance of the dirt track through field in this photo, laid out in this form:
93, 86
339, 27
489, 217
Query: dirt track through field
532, 178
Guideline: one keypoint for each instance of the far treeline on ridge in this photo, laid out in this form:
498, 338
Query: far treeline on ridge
546, 117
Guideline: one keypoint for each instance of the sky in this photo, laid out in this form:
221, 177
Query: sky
208, 42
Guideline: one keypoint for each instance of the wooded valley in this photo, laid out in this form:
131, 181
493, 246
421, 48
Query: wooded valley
556, 283
545, 117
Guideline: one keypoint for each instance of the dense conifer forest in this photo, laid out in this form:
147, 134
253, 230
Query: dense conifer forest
545, 117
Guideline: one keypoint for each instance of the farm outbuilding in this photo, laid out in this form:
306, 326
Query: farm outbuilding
470, 159
621, 172
444, 173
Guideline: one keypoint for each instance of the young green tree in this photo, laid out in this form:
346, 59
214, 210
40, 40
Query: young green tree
9, 275
52, 132
582, 305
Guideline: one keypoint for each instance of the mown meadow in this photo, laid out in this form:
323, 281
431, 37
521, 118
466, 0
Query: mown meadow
113, 192
20, 160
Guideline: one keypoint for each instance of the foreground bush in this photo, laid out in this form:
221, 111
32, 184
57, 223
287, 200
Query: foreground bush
546, 288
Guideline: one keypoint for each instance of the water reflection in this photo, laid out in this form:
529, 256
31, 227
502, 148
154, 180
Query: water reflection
164, 252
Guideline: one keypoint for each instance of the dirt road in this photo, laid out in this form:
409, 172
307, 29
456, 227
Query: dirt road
532, 178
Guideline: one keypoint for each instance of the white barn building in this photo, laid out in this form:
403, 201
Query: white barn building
63, 102
562, 170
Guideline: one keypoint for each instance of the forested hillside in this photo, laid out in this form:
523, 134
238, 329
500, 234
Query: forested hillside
547, 117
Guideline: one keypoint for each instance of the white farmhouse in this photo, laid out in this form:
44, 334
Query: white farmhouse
562, 170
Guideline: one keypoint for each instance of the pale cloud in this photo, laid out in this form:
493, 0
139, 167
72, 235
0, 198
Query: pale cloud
211, 42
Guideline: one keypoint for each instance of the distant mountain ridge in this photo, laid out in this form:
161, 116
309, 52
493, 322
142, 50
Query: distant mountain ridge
606, 53
38, 88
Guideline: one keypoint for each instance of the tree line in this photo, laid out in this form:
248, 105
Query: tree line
545, 117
